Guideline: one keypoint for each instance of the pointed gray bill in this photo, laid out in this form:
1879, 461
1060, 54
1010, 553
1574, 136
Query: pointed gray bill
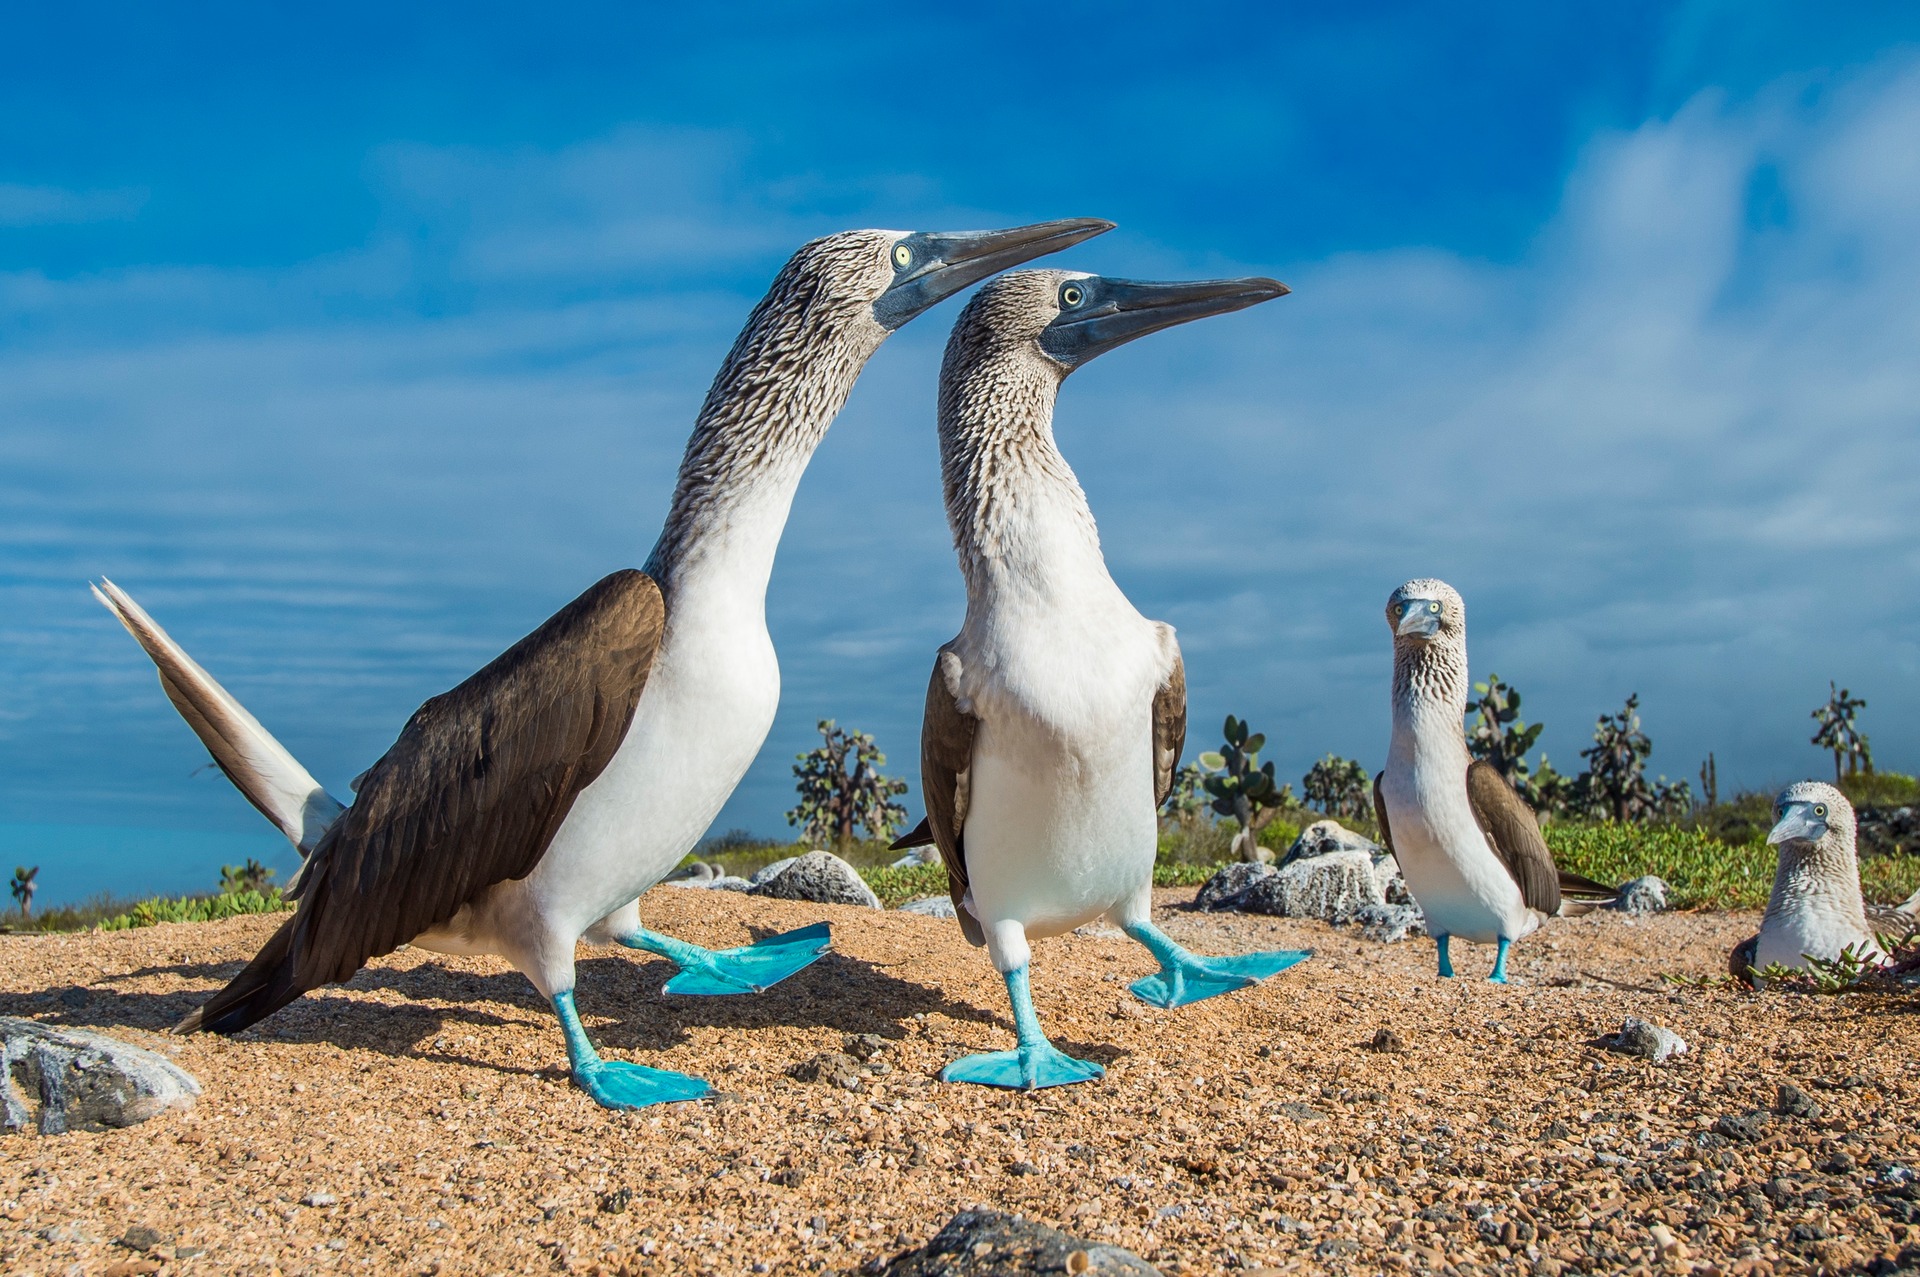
931, 266
1098, 314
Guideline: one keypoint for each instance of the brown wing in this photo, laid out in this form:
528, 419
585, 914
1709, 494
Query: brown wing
470, 795
946, 756
1514, 834
1380, 812
1169, 728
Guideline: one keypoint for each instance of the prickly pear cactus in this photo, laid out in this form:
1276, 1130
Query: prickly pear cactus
1241, 786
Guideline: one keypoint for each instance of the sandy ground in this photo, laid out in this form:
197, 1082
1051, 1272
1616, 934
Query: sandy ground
420, 1119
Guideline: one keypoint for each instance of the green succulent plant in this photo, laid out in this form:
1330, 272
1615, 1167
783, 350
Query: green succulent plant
1241, 786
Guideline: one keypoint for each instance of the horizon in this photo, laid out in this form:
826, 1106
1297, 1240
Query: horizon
355, 345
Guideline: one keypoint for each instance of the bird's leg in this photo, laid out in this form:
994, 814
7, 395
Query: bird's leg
1035, 1063
1446, 963
1499, 975
746, 969
616, 1084
1185, 977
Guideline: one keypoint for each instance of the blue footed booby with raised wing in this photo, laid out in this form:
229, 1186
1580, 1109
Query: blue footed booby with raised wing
1469, 846
1815, 909
1055, 719
529, 807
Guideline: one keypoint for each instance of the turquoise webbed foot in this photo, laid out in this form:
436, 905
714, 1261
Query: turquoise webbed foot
1446, 963
1185, 977
1499, 975
1034, 1064
616, 1084
749, 968
1026, 1068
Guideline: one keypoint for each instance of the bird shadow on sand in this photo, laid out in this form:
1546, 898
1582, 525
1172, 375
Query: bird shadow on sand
621, 996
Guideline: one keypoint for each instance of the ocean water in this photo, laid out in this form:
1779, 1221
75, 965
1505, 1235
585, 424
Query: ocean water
79, 861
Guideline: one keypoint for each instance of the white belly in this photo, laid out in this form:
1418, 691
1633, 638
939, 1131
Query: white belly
1812, 926
1461, 886
1058, 831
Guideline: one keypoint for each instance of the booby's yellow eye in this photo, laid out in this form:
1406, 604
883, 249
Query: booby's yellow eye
1820, 809
902, 256
1072, 295
1433, 607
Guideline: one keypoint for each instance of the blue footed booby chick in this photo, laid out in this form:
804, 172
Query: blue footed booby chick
1055, 719
529, 807
1469, 846
1815, 910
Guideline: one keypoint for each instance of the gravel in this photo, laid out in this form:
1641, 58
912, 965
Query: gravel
1240, 1133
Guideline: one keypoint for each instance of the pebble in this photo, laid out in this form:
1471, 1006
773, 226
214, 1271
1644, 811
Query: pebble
1648, 1041
320, 1199
1642, 896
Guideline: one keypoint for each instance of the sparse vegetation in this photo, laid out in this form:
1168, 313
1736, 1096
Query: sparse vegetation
1242, 786
1338, 787
841, 788
1615, 785
23, 888
1839, 732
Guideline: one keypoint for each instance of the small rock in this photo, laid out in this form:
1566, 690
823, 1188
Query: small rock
75, 998
57, 1080
1557, 1130
1333, 887
1642, 896
320, 1199
1745, 1129
1791, 1101
142, 1239
820, 877
1647, 1041
987, 1243
927, 855
1300, 1112
788, 1177
866, 1046
1390, 923
730, 883
930, 907
829, 1068
616, 1202
1388, 1041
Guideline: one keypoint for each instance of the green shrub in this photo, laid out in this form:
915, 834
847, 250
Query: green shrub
897, 886
1701, 871
1880, 789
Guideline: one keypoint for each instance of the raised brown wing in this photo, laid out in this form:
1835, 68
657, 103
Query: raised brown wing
470, 795
1169, 728
1514, 834
946, 756
1380, 812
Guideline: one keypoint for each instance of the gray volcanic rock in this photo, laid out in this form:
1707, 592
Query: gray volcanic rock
1333, 887
767, 873
1324, 837
1228, 888
987, 1243
59, 1080
931, 907
1390, 923
1648, 1041
821, 877
1642, 896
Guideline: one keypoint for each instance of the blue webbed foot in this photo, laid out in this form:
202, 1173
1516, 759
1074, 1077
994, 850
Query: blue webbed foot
1026, 1068
615, 1084
1446, 963
1185, 977
749, 968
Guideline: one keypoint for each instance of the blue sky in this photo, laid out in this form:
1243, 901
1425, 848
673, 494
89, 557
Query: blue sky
355, 341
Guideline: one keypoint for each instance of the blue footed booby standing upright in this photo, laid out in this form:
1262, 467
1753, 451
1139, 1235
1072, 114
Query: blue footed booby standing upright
529, 807
1815, 909
1055, 719
1470, 847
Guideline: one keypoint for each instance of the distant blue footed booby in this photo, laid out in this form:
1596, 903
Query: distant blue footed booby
1055, 719
1815, 909
1469, 846
529, 807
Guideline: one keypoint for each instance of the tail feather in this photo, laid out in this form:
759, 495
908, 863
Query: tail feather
921, 835
268, 983
1580, 895
258, 765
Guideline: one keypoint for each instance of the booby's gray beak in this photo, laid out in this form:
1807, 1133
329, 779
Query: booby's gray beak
932, 266
1419, 618
1798, 824
1099, 314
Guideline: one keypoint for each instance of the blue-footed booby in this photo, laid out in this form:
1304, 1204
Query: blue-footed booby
1815, 909
1055, 719
1469, 846
529, 807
